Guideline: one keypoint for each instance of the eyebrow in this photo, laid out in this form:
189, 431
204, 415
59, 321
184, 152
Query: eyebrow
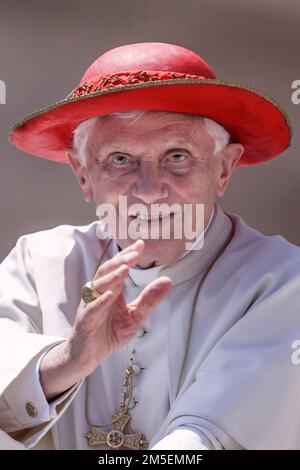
179, 145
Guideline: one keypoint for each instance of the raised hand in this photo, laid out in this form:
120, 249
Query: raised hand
103, 325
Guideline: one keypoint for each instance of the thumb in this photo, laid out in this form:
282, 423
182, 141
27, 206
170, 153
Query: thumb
149, 298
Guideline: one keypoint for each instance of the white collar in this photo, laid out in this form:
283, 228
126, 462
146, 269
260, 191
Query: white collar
198, 243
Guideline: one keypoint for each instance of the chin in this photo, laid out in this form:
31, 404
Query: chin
161, 251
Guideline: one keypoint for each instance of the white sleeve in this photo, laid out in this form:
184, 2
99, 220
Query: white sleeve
184, 439
24, 410
194, 433
25, 403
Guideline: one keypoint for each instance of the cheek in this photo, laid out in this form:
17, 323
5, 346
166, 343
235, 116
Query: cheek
108, 189
194, 188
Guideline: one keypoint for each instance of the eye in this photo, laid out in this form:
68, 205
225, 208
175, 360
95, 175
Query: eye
177, 158
120, 160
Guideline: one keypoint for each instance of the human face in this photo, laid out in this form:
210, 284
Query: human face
153, 159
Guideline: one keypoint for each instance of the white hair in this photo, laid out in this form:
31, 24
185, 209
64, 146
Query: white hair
83, 131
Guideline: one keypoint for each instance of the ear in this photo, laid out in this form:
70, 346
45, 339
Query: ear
81, 175
228, 159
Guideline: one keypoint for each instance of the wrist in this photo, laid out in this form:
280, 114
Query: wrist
58, 371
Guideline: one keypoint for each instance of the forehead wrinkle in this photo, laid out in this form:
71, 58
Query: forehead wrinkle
136, 144
176, 134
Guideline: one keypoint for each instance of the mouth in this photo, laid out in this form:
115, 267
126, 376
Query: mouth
152, 218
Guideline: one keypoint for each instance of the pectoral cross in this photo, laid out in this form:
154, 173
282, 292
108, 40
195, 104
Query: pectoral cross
120, 436
117, 437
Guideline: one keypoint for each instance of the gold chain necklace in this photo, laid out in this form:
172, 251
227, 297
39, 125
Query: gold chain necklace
121, 435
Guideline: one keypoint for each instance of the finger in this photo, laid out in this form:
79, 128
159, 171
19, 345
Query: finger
113, 282
103, 303
109, 281
134, 246
149, 298
129, 257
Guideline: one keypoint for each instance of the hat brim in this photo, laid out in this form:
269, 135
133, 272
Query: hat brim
252, 118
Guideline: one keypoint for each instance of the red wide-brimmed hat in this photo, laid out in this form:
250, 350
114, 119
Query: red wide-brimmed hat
157, 76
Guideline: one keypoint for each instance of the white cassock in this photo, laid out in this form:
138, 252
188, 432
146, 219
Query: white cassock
234, 383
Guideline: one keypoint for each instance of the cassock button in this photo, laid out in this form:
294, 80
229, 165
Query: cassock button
141, 332
132, 403
31, 409
136, 369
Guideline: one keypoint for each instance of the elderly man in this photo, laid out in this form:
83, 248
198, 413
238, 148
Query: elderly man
109, 342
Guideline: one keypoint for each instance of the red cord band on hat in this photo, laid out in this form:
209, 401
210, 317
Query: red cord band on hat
113, 80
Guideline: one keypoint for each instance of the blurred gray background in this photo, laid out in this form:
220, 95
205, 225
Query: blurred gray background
45, 46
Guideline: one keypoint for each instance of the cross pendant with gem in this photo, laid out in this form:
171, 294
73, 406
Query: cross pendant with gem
117, 437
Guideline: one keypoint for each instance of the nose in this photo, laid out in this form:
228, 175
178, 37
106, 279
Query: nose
149, 186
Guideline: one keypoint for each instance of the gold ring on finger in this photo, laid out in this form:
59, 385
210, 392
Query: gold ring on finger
89, 293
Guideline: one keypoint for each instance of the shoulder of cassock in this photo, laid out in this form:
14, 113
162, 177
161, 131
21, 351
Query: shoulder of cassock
248, 248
